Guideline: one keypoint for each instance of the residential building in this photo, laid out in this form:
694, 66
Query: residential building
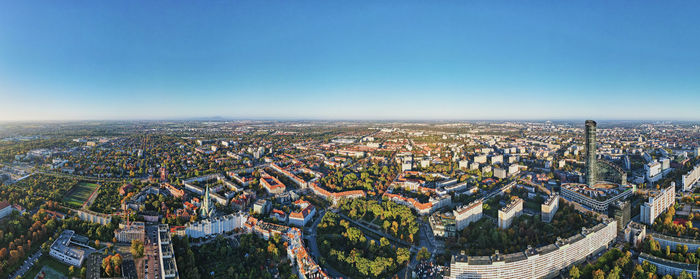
496, 159
302, 217
261, 206
689, 179
90, 216
549, 208
443, 224
166, 256
513, 169
621, 212
664, 266
271, 184
658, 203
542, 262
129, 232
5, 209
598, 197
653, 171
464, 215
216, 225
507, 214
499, 173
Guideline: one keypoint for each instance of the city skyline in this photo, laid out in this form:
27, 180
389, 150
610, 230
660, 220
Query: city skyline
336, 61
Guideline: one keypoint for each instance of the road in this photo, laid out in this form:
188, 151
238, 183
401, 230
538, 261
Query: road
151, 263
26, 265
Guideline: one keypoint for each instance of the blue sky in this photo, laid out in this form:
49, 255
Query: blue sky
68, 60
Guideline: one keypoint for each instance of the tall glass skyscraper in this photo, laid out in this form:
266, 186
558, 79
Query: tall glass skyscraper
591, 168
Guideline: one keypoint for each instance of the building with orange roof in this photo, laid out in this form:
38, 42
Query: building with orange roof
271, 184
5, 209
279, 215
289, 175
300, 218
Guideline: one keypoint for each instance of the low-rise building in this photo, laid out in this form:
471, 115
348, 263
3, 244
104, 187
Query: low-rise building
129, 232
664, 266
443, 224
70, 248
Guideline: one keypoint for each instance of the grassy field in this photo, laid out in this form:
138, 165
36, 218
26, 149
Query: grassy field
45, 260
80, 193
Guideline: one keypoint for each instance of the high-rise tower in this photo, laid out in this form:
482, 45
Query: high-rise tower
591, 168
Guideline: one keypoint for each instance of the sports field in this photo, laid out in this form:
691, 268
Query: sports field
79, 194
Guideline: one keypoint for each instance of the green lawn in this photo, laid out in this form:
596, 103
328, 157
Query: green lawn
46, 260
80, 193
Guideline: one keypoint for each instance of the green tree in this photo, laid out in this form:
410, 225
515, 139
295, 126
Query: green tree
598, 274
402, 255
684, 275
423, 254
137, 248
574, 273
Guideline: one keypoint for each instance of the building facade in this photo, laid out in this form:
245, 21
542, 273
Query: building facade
664, 266
541, 262
549, 208
465, 215
215, 226
507, 214
591, 168
166, 256
657, 204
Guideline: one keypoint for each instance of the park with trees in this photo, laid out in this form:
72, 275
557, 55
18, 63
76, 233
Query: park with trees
355, 254
395, 219
250, 256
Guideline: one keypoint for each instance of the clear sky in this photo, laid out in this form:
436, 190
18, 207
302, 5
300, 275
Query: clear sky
68, 60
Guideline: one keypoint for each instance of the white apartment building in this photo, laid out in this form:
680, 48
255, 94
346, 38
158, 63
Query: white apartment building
481, 159
653, 171
690, 178
127, 233
513, 169
465, 215
657, 204
543, 262
509, 212
549, 208
215, 226
499, 173
496, 159
664, 266
166, 256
